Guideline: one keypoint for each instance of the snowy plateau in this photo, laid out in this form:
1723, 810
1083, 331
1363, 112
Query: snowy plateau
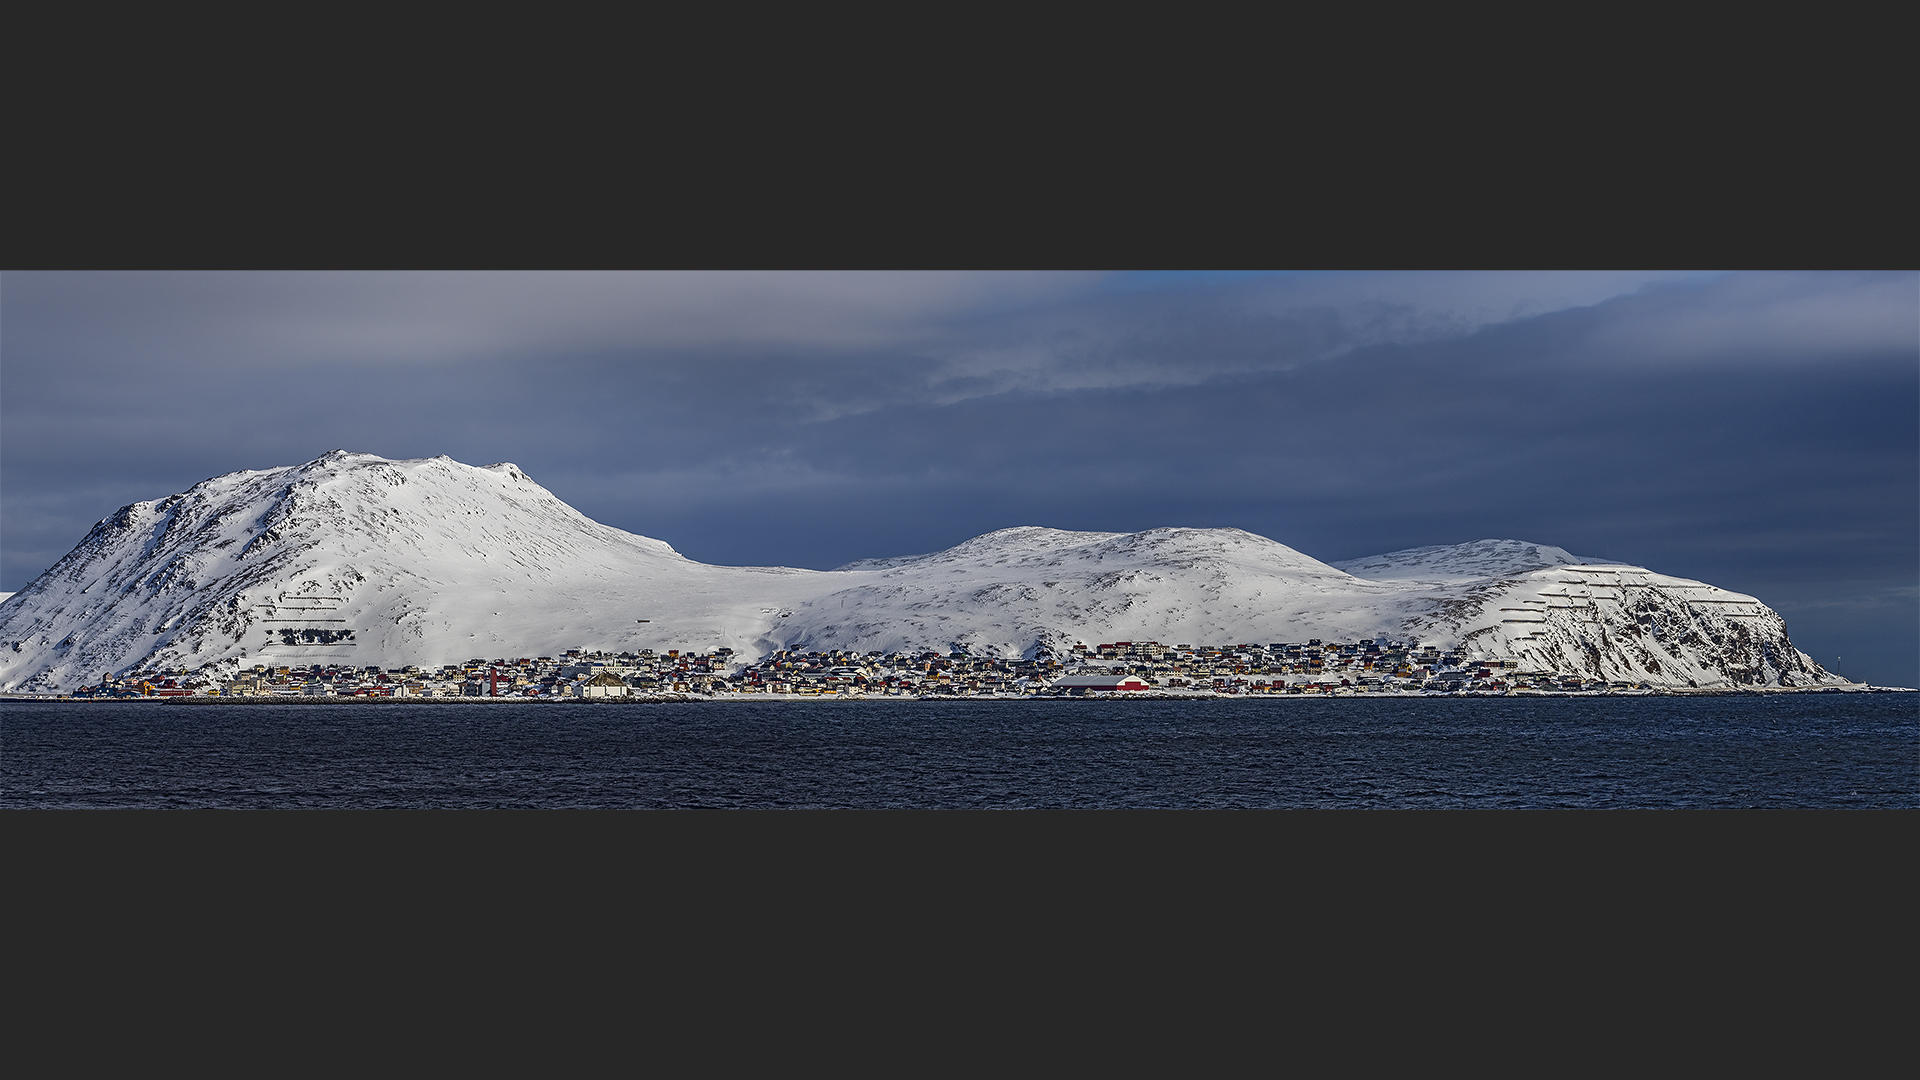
356, 559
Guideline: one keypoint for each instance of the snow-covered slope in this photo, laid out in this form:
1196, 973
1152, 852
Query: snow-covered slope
1011, 590
1610, 621
1556, 611
368, 561
356, 559
1462, 562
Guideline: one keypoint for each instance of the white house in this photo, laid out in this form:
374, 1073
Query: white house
605, 684
1109, 682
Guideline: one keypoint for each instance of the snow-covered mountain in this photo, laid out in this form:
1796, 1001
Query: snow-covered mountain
1008, 591
354, 558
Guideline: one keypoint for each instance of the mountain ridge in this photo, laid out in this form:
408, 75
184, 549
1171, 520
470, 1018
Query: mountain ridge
360, 559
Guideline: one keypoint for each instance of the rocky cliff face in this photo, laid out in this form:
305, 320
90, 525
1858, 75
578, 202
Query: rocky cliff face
1600, 619
352, 558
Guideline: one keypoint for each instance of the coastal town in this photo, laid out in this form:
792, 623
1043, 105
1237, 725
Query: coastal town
1122, 668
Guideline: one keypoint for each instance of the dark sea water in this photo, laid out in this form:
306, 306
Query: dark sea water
1853, 750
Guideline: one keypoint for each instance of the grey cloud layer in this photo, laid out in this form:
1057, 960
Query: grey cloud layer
943, 333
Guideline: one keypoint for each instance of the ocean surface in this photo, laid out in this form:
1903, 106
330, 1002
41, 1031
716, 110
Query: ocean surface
1830, 750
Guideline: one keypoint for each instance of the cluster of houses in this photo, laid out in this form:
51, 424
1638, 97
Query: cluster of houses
1374, 665
1369, 665
576, 674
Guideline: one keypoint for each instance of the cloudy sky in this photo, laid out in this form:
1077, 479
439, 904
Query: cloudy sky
1759, 431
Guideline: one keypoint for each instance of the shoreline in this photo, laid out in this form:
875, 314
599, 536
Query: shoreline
701, 699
